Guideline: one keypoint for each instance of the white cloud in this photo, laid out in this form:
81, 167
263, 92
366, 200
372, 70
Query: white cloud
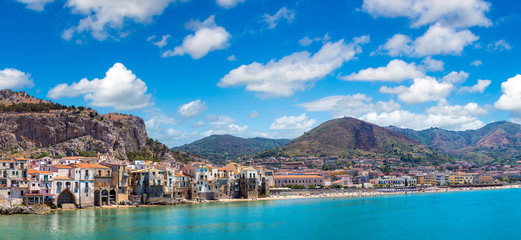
224, 125
198, 124
397, 45
228, 3
232, 129
478, 88
438, 40
254, 114
161, 43
192, 109
476, 63
349, 105
15, 79
455, 77
283, 13
231, 58
395, 71
500, 45
433, 64
102, 18
406, 119
422, 90
219, 120
37, 5
156, 119
120, 89
306, 41
207, 37
293, 125
453, 13
393, 90
510, 100
297, 71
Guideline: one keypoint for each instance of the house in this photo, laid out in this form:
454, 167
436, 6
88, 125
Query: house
303, 180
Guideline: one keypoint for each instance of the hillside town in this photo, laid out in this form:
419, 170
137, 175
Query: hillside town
79, 182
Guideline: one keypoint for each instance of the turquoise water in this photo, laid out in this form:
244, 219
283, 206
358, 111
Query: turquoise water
460, 215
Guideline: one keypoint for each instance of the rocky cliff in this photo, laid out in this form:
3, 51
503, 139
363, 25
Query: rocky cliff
31, 125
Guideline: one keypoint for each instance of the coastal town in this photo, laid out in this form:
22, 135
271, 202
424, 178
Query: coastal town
81, 182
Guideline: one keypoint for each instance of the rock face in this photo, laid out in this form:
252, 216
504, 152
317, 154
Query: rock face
66, 134
67, 131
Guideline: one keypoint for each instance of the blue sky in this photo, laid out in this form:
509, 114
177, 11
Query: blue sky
268, 68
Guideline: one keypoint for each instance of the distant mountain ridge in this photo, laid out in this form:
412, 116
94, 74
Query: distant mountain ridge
223, 147
497, 141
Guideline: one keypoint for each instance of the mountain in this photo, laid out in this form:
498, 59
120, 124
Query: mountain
30, 126
350, 136
498, 141
222, 147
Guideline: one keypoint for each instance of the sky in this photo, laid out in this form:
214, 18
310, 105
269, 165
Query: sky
265, 68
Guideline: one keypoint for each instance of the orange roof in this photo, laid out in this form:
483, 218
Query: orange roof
337, 181
9, 161
21, 159
60, 166
297, 176
62, 178
180, 174
45, 172
31, 171
86, 165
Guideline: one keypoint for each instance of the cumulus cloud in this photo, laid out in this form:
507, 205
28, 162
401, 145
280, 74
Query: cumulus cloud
438, 40
102, 18
406, 119
192, 109
455, 77
397, 45
228, 3
281, 78
395, 71
207, 37
37, 5
480, 87
120, 89
349, 105
15, 79
510, 100
422, 90
433, 64
282, 14
453, 13
476, 63
500, 45
294, 125
232, 129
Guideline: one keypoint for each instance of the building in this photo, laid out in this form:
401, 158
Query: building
303, 180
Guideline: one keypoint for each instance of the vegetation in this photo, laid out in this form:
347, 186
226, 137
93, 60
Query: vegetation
36, 107
41, 155
87, 153
220, 148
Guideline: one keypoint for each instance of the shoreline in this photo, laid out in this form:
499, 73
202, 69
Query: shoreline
324, 195
361, 194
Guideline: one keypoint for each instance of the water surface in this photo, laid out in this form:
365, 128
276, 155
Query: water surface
457, 215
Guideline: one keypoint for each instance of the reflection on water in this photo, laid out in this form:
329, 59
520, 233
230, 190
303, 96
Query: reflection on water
472, 215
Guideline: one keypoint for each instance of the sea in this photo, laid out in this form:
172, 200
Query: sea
487, 214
